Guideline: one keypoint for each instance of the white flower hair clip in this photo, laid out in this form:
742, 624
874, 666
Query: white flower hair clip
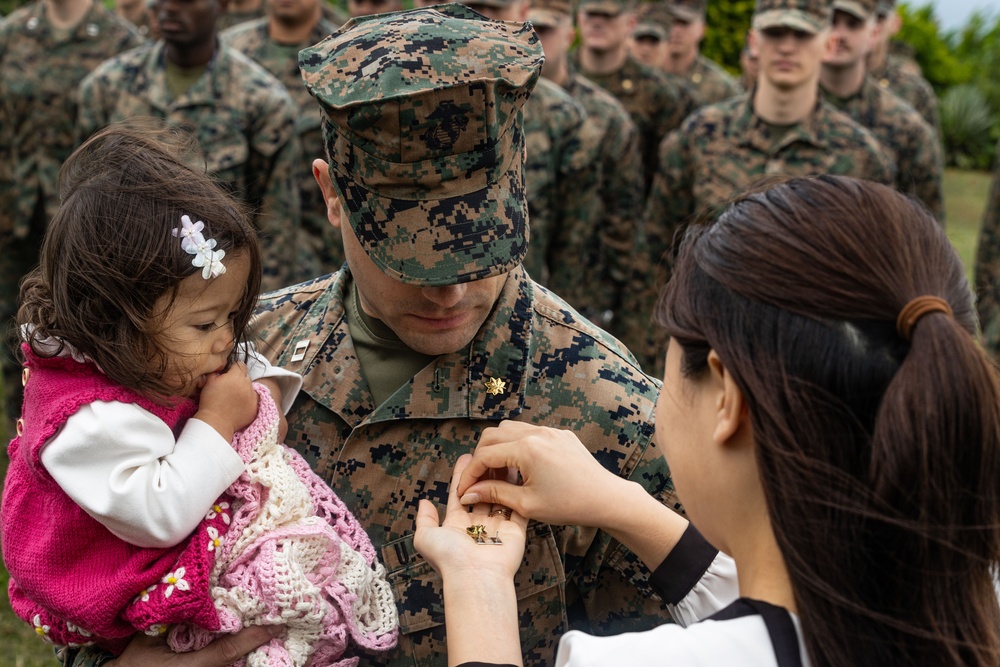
195, 243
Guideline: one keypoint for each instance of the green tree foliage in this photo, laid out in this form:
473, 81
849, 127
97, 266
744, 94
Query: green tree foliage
727, 23
934, 53
965, 119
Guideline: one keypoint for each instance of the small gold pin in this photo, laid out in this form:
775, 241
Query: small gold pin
495, 386
299, 353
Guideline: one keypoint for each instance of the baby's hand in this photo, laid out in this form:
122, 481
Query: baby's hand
228, 401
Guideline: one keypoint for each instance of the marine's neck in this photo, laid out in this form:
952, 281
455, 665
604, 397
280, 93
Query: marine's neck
64, 14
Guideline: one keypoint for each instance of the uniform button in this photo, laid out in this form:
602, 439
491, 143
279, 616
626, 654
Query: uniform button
627, 84
32, 23
92, 29
24, 376
20, 427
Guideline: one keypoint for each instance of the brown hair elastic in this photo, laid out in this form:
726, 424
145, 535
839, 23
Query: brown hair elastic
917, 308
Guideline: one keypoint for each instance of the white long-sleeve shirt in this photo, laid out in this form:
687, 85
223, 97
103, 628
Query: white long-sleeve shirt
123, 466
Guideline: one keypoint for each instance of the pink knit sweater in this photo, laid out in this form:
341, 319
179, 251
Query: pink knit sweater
70, 576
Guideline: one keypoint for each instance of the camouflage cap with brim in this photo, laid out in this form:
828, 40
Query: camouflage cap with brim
810, 16
549, 13
884, 7
653, 19
423, 131
610, 7
862, 9
687, 10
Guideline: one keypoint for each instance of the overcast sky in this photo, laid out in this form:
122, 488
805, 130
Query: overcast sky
954, 13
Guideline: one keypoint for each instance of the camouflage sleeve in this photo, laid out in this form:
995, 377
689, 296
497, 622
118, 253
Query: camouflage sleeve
90, 113
987, 269
272, 170
575, 215
619, 597
670, 204
86, 656
920, 174
622, 193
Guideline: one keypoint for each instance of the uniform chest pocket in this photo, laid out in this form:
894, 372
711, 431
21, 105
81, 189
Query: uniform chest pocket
417, 587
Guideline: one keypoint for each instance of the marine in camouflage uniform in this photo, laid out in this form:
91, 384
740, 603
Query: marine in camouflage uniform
599, 254
707, 81
896, 125
40, 69
426, 212
319, 248
724, 148
243, 120
561, 170
657, 102
893, 73
987, 270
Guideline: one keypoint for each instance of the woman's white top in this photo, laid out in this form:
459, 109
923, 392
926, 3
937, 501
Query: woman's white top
123, 466
735, 631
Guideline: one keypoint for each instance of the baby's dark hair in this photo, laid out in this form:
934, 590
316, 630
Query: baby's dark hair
109, 253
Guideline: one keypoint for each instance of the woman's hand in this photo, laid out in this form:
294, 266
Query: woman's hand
450, 549
477, 579
561, 481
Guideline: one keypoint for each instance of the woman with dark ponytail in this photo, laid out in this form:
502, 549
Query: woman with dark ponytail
831, 423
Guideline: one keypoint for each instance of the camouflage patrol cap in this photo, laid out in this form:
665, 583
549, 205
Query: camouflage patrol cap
862, 9
810, 16
549, 13
688, 10
885, 7
611, 7
423, 130
654, 20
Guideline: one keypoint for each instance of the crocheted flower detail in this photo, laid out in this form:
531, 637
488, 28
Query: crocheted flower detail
156, 629
214, 539
174, 580
219, 509
194, 242
143, 595
76, 629
41, 629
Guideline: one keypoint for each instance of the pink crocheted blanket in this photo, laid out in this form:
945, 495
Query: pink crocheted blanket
282, 549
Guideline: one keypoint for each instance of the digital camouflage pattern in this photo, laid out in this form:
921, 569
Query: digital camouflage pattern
722, 149
910, 86
987, 270
709, 83
559, 370
806, 15
243, 120
40, 70
561, 175
688, 10
423, 129
899, 128
319, 249
599, 257
658, 103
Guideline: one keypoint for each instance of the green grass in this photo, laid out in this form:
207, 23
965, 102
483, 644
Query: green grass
965, 196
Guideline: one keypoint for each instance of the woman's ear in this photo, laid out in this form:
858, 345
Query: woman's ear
334, 211
731, 411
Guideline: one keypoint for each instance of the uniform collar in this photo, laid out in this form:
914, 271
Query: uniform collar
749, 129
485, 380
154, 78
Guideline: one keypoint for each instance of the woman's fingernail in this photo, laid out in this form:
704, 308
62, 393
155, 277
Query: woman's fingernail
469, 499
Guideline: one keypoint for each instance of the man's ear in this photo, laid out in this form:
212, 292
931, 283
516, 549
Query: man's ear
752, 43
731, 411
334, 210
